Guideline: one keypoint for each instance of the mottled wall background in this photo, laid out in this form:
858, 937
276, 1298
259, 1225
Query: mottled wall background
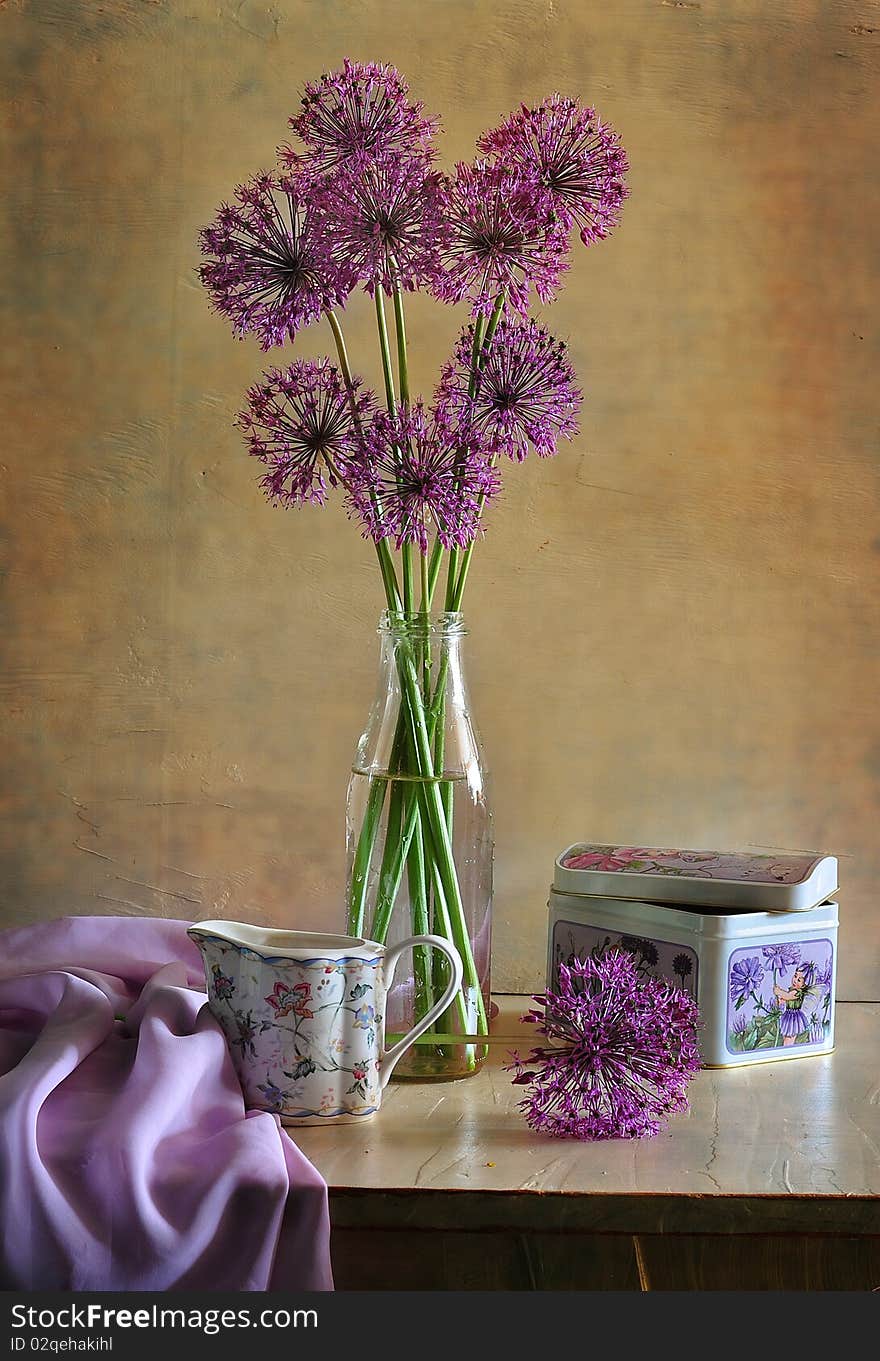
674, 625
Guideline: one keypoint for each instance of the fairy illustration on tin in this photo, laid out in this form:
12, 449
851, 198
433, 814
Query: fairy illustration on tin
793, 1020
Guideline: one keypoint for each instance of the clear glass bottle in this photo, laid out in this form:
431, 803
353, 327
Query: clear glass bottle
419, 838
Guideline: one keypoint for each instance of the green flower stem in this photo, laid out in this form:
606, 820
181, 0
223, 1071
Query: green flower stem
443, 927
406, 552
479, 329
425, 575
418, 897
360, 871
397, 848
386, 564
434, 821
447, 795
425, 811
400, 328
437, 843
455, 586
454, 603
434, 570
393, 861
446, 925
391, 403
387, 878
376, 797
385, 350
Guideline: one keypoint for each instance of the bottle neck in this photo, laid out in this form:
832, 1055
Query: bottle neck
444, 626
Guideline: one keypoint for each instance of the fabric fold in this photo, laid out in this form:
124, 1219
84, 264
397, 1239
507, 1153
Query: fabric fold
127, 1158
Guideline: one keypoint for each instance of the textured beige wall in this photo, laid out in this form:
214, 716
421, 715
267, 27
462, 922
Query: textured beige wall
674, 625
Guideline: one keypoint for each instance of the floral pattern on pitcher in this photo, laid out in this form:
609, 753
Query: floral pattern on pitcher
779, 996
325, 1007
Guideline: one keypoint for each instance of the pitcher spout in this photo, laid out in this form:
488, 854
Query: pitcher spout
268, 942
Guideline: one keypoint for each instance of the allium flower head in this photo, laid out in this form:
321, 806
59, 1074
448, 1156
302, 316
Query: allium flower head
302, 422
576, 160
501, 239
621, 1052
268, 265
385, 222
360, 112
414, 472
525, 394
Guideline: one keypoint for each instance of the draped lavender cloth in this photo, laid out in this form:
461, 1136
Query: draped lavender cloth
127, 1158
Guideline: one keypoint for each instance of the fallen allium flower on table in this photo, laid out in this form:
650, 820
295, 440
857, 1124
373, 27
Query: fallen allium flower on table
621, 1050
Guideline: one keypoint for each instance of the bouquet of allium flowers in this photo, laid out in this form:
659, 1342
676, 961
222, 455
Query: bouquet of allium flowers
361, 205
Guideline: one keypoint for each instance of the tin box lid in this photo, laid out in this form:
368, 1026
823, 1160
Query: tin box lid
740, 880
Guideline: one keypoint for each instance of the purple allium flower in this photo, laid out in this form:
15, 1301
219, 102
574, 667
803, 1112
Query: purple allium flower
302, 422
745, 976
268, 264
385, 222
358, 113
414, 471
501, 241
781, 957
576, 160
525, 391
622, 1050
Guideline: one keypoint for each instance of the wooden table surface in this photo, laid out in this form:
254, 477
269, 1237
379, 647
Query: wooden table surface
785, 1152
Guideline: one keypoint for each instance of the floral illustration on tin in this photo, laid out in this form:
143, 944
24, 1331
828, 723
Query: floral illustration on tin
740, 865
653, 958
779, 996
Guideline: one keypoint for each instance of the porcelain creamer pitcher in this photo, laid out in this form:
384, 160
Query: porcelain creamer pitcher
304, 1014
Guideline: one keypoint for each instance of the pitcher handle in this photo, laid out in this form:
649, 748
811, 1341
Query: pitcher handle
390, 1056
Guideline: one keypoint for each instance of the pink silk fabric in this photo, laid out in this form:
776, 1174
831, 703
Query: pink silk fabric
127, 1158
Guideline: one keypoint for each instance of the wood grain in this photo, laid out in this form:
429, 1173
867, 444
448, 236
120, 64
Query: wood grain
770, 1182
791, 1146
674, 624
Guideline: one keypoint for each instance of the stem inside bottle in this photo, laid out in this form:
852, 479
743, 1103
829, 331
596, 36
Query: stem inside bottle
419, 839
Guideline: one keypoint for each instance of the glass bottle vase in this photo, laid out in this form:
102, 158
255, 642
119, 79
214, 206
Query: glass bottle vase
419, 839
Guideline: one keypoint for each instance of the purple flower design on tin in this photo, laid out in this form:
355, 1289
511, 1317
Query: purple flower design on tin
824, 978
745, 976
782, 956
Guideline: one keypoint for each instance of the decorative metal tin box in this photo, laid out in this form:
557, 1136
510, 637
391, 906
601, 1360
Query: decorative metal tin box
752, 937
